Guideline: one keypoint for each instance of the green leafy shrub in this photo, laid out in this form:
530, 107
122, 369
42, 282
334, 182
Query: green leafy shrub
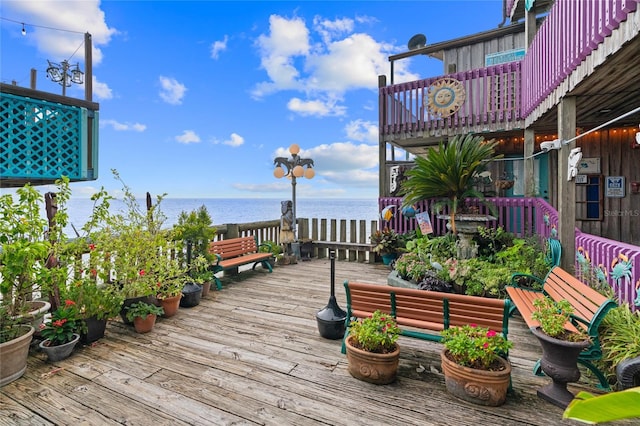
552, 316
377, 333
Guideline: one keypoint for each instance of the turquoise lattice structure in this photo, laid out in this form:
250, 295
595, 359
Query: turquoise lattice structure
42, 140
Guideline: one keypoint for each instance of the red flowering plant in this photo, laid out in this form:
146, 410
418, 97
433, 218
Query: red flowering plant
65, 322
377, 333
475, 347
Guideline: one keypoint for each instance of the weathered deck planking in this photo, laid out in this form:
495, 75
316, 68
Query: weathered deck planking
251, 354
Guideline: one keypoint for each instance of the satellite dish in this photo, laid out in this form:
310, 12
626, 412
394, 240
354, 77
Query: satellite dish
417, 41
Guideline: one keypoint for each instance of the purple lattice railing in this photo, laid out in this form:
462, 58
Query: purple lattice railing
618, 262
569, 33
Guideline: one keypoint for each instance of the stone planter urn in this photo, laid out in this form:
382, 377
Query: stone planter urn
559, 362
467, 226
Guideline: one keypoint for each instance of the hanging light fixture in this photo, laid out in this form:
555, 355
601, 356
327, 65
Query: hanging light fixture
24, 31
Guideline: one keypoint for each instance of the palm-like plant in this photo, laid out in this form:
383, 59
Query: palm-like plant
448, 172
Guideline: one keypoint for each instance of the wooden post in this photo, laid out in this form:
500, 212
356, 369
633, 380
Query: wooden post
566, 189
529, 178
383, 179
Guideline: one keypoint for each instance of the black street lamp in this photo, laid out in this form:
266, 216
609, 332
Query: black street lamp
295, 168
64, 74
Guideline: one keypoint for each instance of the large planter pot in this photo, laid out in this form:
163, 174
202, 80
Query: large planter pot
14, 355
560, 362
130, 301
387, 258
482, 387
170, 305
191, 294
95, 329
206, 288
35, 315
144, 325
59, 352
379, 369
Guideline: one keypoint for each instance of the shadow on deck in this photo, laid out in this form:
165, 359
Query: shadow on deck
251, 354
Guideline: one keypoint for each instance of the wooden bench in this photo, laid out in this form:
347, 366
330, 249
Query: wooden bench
235, 252
589, 306
424, 314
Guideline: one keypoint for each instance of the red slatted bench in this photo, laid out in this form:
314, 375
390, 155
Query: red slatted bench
429, 311
235, 252
589, 306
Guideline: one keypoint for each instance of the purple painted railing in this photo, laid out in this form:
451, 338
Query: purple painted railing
570, 32
492, 97
618, 262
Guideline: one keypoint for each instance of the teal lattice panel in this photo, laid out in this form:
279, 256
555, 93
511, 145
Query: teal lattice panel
41, 139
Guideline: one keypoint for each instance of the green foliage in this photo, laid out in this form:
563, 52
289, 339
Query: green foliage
552, 316
475, 347
524, 255
65, 322
619, 336
448, 173
490, 241
385, 241
196, 227
142, 310
270, 247
592, 409
377, 333
411, 266
93, 300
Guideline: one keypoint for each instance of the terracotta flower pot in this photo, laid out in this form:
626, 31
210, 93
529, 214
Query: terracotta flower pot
482, 387
379, 369
206, 287
144, 325
170, 305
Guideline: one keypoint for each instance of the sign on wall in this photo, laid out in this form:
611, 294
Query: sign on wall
503, 57
589, 165
614, 186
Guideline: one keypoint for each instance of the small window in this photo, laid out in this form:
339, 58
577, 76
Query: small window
589, 197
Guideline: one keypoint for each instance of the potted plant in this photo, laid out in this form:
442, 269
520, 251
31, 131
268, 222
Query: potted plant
200, 271
171, 277
447, 173
15, 338
143, 315
23, 255
372, 349
386, 243
62, 333
560, 348
474, 364
273, 248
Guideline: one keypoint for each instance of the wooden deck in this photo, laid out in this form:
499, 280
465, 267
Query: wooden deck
251, 354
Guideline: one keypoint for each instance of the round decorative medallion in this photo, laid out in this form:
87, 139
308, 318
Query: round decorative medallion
446, 95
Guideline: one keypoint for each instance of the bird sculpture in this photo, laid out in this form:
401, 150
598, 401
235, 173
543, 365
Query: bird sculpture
434, 264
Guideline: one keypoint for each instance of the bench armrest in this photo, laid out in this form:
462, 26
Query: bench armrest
515, 277
217, 259
267, 245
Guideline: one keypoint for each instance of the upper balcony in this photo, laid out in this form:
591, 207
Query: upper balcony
44, 136
582, 49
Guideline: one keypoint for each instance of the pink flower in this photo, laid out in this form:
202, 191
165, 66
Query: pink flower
473, 325
142, 272
92, 247
68, 303
486, 345
491, 333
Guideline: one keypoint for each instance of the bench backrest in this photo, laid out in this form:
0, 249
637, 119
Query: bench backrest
589, 306
233, 247
426, 309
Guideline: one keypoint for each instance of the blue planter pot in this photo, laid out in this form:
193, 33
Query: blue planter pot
388, 257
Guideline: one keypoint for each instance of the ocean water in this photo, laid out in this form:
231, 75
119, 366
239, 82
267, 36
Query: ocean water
240, 210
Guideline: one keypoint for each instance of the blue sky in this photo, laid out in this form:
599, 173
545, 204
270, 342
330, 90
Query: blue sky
198, 97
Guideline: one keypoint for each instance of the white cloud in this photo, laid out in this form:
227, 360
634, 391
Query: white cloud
219, 46
101, 90
362, 131
171, 91
330, 29
187, 137
80, 16
342, 162
235, 140
116, 125
286, 40
315, 107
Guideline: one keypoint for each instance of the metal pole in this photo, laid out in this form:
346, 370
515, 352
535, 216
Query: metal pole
294, 226
65, 65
